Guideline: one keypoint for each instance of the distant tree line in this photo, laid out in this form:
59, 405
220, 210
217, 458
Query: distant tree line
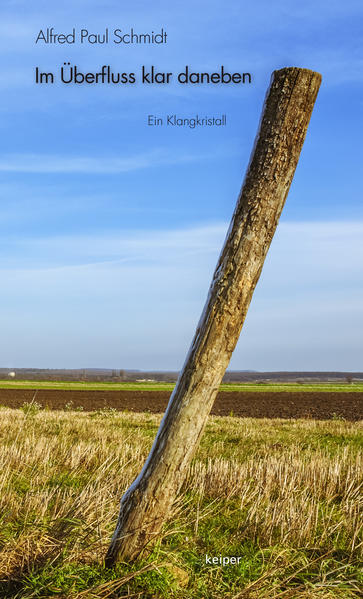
120, 375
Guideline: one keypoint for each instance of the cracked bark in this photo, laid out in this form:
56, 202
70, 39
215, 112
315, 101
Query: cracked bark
148, 502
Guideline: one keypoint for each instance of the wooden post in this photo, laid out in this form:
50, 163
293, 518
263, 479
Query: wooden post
285, 118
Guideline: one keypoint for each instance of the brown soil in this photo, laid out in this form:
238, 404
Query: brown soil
279, 404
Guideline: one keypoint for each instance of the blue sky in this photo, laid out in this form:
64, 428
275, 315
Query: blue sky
110, 229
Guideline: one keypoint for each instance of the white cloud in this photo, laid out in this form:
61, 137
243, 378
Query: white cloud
134, 299
46, 163
131, 247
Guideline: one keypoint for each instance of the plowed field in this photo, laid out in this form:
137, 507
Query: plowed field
277, 404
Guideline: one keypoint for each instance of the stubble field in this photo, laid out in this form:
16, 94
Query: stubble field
284, 495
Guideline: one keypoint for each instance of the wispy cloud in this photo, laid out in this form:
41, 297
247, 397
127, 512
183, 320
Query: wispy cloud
333, 248
98, 165
138, 248
134, 298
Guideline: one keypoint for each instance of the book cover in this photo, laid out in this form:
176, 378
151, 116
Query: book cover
127, 131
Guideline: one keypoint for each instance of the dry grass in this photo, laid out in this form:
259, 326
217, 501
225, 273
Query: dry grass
286, 495
288, 499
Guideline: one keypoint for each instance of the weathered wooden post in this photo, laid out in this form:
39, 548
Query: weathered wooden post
285, 118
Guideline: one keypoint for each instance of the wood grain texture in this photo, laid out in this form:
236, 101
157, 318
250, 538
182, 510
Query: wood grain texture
285, 118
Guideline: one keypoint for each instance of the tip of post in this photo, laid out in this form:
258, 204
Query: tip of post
297, 71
